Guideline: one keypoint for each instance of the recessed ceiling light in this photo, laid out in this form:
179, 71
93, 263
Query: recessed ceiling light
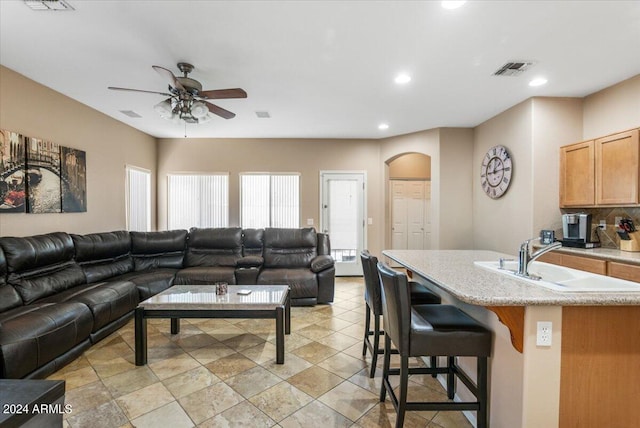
383, 126
538, 81
452, 4
402, 78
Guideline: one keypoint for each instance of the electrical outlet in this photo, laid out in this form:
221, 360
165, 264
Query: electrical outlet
618, 220
544, 333
603, 224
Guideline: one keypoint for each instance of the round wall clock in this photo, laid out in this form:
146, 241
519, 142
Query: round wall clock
495, 174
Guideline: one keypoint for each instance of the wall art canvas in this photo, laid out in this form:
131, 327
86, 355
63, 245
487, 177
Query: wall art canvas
43, 176
12, 172
73, 173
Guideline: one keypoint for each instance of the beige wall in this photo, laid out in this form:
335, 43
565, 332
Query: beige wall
613, 109
456, 192
556, 122
412, 166
307, 157
501, 224
37, 111
533, 132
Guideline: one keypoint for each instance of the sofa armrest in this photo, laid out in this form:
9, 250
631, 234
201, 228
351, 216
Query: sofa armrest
320, 263
249, 262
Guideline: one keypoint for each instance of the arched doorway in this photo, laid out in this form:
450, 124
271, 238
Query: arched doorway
409, 178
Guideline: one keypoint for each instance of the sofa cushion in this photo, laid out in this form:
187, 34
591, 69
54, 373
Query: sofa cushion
9, 297
107, 301
3, 268
41, 265
33, 252
252, 242
303, 282
149, 282
205, 275
289, 248
158, 249
213, 247
103, 255
321, 263
31, 336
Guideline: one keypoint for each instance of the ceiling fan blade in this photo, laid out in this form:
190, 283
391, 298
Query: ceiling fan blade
170, 76
220, 111
139, 90
219, 94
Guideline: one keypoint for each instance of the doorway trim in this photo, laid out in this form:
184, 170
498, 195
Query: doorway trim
362, 173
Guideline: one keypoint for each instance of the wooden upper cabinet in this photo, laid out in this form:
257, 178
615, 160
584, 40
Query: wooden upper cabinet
617, 159
577, 175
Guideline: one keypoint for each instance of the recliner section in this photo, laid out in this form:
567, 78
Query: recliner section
211, 256
59, 293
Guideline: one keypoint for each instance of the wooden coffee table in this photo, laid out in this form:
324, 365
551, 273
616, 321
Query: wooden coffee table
201, 301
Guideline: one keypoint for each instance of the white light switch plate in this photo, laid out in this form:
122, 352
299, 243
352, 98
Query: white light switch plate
309, 222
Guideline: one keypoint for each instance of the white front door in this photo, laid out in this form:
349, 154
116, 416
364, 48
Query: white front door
343, 218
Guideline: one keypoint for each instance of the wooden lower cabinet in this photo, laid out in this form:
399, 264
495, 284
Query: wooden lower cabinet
587, 264
624, 271
600, 366
620, 270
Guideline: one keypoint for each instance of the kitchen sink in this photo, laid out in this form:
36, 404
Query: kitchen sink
561, 278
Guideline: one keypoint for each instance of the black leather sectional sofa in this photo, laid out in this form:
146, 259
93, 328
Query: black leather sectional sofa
60, 293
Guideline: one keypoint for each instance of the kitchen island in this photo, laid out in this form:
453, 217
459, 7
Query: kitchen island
587, 377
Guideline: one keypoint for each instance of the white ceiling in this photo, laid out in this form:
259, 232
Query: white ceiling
323, 69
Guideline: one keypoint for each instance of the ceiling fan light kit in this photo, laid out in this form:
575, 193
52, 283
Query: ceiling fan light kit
186, 100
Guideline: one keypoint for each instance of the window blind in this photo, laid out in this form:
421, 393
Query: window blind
198, 200
270, 200
138, 199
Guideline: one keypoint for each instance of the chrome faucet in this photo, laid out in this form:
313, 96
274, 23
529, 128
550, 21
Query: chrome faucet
525, 257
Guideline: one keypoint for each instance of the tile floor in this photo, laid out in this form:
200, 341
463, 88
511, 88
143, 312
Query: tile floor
222, 373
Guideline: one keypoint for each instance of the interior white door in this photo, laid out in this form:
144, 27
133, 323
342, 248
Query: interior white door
427, 215
343, 218
415, 215
410, 214
399, 205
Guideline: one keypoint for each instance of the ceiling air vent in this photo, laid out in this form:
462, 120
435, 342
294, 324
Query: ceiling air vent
263, 114
514, 68
130, 113
52, 5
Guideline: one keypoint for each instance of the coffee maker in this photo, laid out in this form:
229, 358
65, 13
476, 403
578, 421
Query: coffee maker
576, 230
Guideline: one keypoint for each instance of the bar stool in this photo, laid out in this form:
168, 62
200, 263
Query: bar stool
431, 330
419, 295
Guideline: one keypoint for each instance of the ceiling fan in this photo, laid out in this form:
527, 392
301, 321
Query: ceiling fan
187, 99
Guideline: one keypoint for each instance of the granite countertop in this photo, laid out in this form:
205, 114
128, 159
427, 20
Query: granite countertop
455, 272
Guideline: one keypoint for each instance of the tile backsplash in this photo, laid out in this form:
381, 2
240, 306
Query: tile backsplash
608, 237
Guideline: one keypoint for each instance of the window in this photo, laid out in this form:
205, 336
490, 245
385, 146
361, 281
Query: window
269, 200
198, 200
138, 199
